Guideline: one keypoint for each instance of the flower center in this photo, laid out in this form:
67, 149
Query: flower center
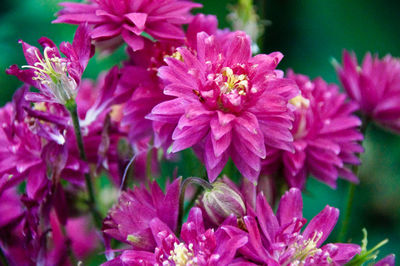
52, 72
305, 249
182, 255
301, 104
233, 83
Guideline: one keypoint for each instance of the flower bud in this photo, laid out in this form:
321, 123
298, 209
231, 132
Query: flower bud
221, 201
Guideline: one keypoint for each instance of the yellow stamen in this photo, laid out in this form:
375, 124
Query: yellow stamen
52, 72
182, 255
299, 101
234, 82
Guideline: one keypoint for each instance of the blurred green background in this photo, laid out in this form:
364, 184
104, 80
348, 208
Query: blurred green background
309, 33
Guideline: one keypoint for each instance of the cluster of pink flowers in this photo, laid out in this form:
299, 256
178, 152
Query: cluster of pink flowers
199, 88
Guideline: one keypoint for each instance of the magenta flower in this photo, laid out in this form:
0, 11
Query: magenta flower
389, 260
129, 220
197, 246
141, 151
127, 20
57, 78
140, 79
374, 86
277, 240
27, 240
10, 208
100, 117
84, 238
29, 145
325, 136
147, 92
226, 103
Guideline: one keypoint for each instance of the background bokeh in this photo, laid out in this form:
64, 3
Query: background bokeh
309, 34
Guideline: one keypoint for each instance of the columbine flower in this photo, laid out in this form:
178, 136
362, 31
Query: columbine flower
10, 208
325, 135
57, 78
196, 247
129, 220
140, 79
100, 117
79, 231
389, 260
226, 103
374, 86
130, 19
277, 240
29, 146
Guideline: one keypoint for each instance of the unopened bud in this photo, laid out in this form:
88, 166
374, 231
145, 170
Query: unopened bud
221, 201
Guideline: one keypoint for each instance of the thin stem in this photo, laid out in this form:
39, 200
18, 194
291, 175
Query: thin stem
148, 160
195, 180
123, 181
352, 189
3, 258
347, 216
73, 110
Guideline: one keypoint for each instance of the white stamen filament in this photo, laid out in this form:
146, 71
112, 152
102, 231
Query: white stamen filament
52, 72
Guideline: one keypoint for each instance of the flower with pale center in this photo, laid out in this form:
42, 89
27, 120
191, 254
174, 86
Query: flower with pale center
226, 103
182, 255
278, 239
52, 72
304, 248
325, 133
195, 247
56, 77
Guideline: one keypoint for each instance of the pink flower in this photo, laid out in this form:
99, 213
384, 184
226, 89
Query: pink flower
226, 103
139, 78
197, 246
57, 78
277, 240
374, 86
389, 260
129, 220
325, 136
100, 117
84, 239
29, 145
127, 20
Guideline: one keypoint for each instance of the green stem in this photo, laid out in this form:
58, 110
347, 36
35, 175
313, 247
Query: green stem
349, 205
195, 180
3, 258
148, 160
352, 189
73, 110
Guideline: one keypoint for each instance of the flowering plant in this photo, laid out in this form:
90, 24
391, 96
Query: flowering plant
180, 153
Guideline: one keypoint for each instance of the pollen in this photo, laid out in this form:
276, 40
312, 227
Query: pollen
52, 73
177, 55
182, 255
306, 249
41, 106
233, 82
299, 102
